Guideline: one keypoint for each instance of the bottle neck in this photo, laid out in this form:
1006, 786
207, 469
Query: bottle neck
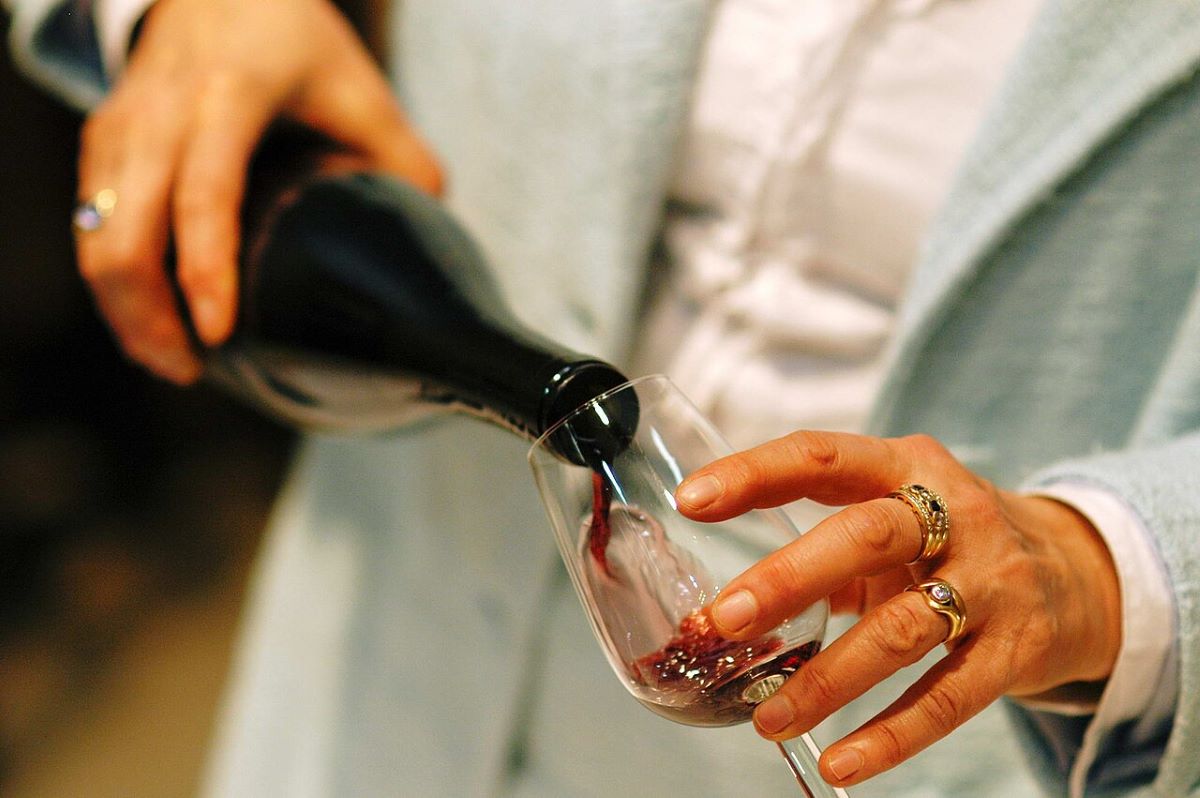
358, 286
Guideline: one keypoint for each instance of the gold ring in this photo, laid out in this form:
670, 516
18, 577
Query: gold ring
941, 597
933, 514
89, 215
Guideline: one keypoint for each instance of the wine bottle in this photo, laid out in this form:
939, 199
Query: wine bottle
363, 304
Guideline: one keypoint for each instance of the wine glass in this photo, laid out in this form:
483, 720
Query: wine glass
646, 574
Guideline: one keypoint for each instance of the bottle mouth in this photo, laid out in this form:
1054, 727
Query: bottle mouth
599, 428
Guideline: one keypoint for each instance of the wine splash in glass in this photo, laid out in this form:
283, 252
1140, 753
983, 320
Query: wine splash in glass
646, 574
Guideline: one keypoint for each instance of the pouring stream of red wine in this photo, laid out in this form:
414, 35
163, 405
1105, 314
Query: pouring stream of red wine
600, 529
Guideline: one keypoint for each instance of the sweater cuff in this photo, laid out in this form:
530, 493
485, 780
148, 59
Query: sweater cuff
1142, 688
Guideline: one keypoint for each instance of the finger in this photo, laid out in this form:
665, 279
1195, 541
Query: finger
369, 122
860, 540
894, 635
122, 261
864, 593
353, 103
954, 690
101, 143
828, 467
148, 335
230, 118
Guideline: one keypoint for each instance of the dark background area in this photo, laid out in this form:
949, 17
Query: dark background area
130, 510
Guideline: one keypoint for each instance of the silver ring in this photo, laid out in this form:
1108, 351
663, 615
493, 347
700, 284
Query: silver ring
89, 215
931, 511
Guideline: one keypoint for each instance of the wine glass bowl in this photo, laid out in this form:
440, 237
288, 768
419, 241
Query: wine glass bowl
646, 575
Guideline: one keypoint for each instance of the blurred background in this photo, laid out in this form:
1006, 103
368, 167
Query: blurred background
130, 511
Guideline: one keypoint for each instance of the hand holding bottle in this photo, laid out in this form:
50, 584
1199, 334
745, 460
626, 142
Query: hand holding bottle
174, 140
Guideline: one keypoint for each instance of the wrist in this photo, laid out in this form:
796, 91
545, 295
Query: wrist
1094, 600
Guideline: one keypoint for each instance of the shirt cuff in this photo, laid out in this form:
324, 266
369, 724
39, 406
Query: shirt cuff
1142, 686
115, 21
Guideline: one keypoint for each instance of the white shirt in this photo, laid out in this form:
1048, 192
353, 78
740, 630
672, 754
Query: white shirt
822, 139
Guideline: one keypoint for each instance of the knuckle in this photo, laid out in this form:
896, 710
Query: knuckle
206, 196
814, 448
220, 86
212, 280
146, 335
901, 631
159, 329
986, 513
220, 93
130, 257
157, 105
890, 743
195, 197
122, 261
196, 274
745, 472
980, 505
818, 686
129, 325
925, 446
943, 708
782, 575
877, 526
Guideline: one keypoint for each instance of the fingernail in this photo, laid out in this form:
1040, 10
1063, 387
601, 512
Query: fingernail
699, 492
845, 762
736, 611
774, 714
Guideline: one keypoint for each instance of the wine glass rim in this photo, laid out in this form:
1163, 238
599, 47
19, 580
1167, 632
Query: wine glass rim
540, 443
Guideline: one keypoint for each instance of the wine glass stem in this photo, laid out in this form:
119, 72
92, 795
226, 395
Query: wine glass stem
801, 754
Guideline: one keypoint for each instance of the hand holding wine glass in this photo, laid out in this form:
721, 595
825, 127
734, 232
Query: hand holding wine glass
647, 575
1032, 578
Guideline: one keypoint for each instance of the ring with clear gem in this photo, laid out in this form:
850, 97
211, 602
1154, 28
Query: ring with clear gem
941, 597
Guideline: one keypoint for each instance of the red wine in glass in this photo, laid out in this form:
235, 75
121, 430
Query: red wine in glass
697, 677
702, 679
